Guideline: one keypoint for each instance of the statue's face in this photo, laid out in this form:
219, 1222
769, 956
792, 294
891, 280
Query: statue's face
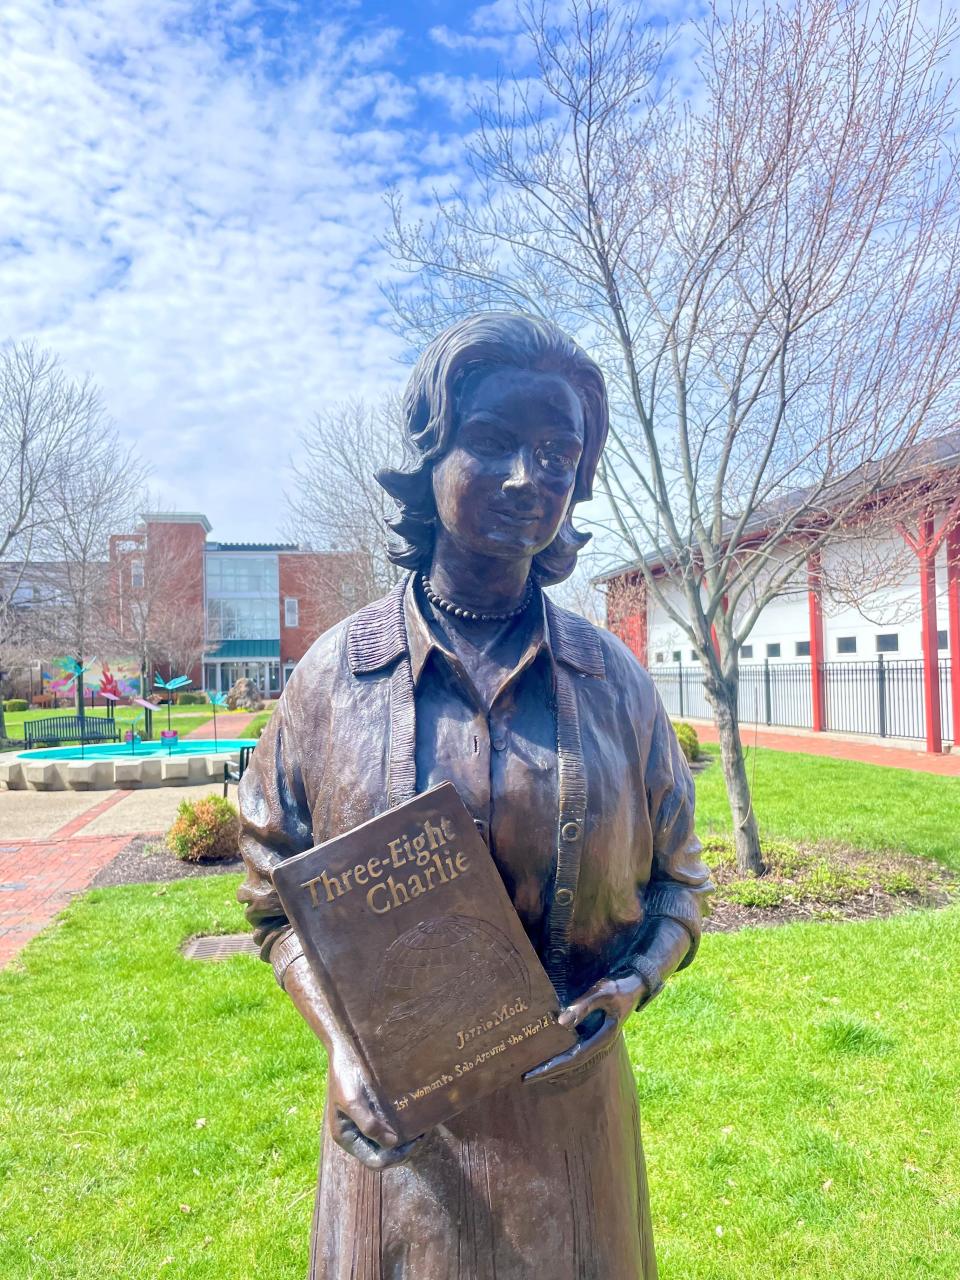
504, 486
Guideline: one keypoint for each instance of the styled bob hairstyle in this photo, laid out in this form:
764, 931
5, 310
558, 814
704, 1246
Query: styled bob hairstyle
430, 413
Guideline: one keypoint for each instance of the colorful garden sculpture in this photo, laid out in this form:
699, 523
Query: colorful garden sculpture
170, 687
216, 700
74, 679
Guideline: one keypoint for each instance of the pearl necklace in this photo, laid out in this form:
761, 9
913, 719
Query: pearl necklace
458, 611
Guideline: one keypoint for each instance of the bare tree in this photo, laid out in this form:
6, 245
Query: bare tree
177, 640
94, 497
336, 504
151, 612
46, 423
765, 262
581, 595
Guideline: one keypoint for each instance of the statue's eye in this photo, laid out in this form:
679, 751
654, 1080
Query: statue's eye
486, 443
556, 458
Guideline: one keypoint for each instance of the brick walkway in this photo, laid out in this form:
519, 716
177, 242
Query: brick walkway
822, 744
230, 725
39, 877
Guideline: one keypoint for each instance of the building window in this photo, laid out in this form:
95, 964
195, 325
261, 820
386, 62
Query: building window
291, 612
802, 648
136, 575
693, 656
746, 651
231, 574
677, 655
659, 657
942, 641
773, 650
888, 642
846, 644
243, 619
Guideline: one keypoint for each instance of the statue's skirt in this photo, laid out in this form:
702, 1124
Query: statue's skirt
540, 1181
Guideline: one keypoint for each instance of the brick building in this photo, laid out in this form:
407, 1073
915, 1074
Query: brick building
219, 611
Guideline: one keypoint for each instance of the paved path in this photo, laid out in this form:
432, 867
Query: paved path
230, 724
52, 844
822, 744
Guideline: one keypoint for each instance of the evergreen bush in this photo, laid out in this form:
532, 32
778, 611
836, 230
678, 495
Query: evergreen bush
687, 737
16, 704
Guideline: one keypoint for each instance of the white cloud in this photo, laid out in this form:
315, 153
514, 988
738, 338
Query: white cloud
460, 42
198, 229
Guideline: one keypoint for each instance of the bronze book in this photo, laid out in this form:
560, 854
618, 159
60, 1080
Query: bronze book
410, 930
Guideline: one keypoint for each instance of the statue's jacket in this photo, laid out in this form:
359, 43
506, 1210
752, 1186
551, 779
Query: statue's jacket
574, 776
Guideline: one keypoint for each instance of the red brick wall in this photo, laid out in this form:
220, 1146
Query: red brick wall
627, 613
316, 580
175, 553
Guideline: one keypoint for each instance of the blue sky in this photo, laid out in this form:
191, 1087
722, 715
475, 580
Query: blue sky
191, 206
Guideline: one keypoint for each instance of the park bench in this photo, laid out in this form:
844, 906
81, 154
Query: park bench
234, 772
51, 731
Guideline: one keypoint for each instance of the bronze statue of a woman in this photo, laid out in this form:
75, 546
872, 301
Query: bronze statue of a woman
556, 739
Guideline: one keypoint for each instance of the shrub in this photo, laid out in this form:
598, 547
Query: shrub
191, 698
689, 742
16, 704
205, 830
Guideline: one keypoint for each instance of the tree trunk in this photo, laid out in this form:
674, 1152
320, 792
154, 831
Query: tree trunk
746, 833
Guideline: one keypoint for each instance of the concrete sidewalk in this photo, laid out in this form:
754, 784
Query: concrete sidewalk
52, 844
866, 750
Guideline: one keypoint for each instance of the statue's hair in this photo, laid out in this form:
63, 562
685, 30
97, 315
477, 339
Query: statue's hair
480, 342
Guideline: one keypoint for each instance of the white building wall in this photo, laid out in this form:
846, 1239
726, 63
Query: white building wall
894, 610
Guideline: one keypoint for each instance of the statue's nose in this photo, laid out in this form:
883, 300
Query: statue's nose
521, 477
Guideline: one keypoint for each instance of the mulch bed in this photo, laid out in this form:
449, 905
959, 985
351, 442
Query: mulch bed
934, 886
728, 917
147, 860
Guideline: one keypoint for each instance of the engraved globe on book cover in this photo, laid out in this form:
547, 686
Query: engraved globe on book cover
407, 924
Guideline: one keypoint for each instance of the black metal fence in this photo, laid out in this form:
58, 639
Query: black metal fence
881, 698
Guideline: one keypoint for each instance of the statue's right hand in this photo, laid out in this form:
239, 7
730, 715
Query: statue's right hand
357, 1122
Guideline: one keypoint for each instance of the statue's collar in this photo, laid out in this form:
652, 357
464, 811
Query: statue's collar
377, 636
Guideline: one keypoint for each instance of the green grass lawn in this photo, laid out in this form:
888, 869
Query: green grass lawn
814, 798
800, 1092
256, 725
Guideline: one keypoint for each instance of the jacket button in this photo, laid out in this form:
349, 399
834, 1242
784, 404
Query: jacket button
570, 831
499, 742
563, 897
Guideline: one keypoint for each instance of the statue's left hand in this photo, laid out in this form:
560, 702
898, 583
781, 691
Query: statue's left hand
616, 999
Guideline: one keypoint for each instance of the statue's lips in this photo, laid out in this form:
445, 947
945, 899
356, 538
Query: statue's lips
517, 517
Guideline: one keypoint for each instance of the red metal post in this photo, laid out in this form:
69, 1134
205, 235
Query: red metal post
953, 614
926, 553
817, 646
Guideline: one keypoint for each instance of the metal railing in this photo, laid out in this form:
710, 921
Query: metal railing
883, 698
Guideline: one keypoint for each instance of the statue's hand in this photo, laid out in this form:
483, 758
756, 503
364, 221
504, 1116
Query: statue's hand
357, 1122
615, 999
